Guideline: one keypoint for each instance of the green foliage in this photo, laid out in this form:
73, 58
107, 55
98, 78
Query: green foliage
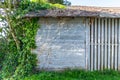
47, 5
56, 1
33, 6
39, 1
21, 63
9, 65
3, 45
27, 63
16, 58
50, 1
76, 75
58, 6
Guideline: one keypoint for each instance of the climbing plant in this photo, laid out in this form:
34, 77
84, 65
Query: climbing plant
19, 39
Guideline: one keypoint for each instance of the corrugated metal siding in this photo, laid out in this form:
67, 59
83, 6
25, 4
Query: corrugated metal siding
104, 44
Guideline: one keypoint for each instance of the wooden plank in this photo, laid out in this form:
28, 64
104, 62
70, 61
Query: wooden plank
115, 48
105, 43
92, 45
95, 46
112, 38
111, 44
119, 48
99, 35
102, 39
109, 39
118, 35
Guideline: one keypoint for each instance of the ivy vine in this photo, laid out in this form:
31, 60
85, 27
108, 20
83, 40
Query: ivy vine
17, 59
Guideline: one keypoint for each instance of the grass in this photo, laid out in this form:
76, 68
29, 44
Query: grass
76, 75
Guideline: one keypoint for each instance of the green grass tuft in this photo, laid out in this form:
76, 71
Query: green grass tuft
76, 75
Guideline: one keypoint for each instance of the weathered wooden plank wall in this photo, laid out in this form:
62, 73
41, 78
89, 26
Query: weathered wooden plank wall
104, 44
85, 43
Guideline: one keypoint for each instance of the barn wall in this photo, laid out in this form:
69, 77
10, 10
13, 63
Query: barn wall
61, 43
104, 44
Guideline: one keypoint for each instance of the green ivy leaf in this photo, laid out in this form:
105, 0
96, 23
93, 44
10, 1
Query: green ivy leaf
1, 29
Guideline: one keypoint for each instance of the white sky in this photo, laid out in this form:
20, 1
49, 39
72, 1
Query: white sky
101, 3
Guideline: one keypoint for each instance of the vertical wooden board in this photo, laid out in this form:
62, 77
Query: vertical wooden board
92, 45
109, 46
119, 48
105, 43
118, 33
102, 39
112, 54
115, 54
99, 51
95, 45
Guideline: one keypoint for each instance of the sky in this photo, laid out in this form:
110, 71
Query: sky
100, 3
